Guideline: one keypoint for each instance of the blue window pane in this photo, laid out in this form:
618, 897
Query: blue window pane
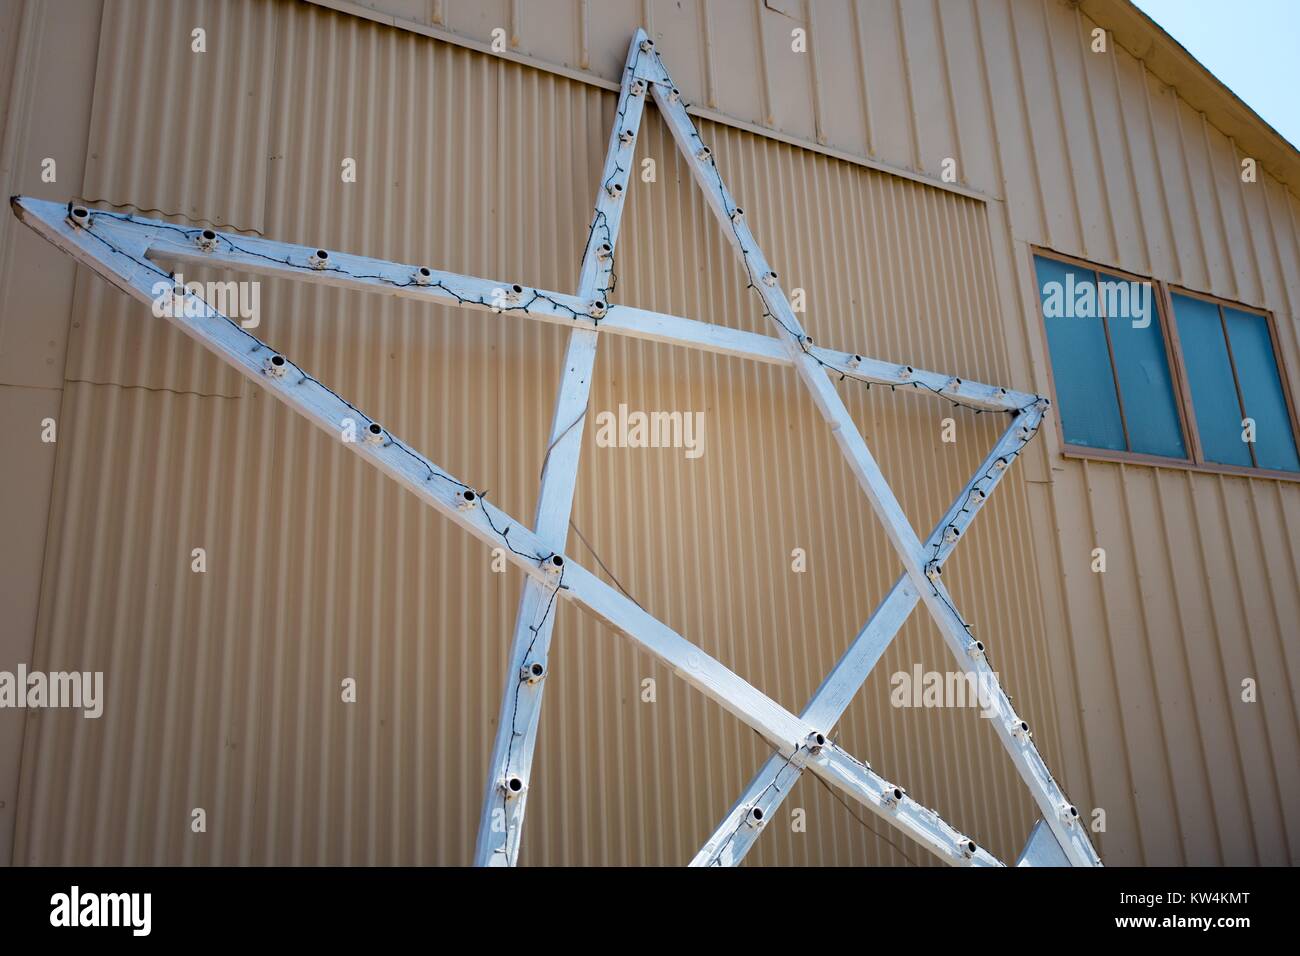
1214, 395
1143, 368
1261, 389
1085, 385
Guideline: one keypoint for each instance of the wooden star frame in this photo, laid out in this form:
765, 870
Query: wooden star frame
123, 248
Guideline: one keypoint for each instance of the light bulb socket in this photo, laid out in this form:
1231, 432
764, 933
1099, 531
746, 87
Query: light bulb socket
532, 672
78, 216
275, 366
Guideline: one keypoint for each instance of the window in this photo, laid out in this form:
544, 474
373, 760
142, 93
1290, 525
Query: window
1201, 385
1232, 371
1109, 361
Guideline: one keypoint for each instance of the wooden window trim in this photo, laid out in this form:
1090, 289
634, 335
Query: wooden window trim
1114, 369
1236, 379
1081, 452
1162, 300
1279, 360
1109, 454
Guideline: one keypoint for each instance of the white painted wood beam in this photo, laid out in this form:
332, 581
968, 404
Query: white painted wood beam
172, 243
528, 667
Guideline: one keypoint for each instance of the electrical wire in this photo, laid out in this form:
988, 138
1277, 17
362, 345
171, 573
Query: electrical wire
845, 804
618, 584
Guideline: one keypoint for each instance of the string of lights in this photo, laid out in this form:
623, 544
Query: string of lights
523, 678
599, 228
420, 277
601, 221
504, 532
615, 189
469, 492
604, 259
511, 298
733, 215
753, 806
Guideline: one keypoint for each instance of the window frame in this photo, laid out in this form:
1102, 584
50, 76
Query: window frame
1163, 303
1279, 360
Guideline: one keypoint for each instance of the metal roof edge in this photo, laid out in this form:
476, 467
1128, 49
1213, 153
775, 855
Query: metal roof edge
1171, 63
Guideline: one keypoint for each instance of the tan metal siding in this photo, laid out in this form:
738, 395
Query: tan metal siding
225, 685
46, 73
320, 569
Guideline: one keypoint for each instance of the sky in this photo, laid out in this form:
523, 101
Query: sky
1252, 46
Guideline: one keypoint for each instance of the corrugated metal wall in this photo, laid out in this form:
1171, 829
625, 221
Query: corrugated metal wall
224, 687
227, 683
